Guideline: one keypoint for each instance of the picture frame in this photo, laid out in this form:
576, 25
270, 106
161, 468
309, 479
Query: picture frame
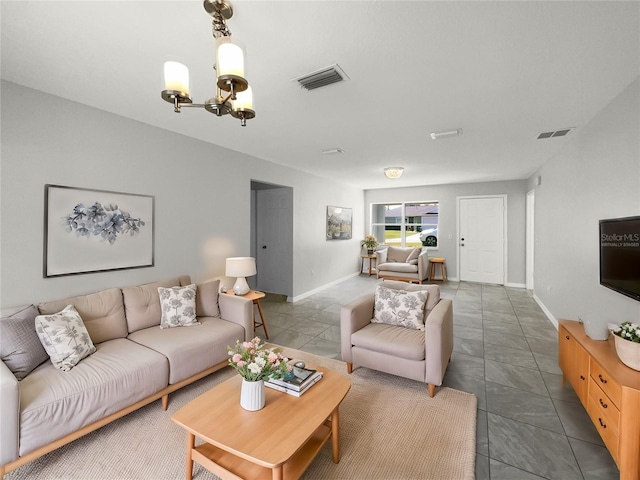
91, 231
339, 220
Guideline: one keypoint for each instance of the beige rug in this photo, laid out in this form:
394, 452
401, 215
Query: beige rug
390, 429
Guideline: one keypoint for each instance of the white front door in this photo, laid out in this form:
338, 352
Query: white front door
481, 242
274, 240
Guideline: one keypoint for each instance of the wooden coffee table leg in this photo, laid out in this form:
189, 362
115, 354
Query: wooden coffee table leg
277, 473
191, 443
335, 435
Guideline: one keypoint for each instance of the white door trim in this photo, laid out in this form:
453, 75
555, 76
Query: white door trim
505, 231
530, 240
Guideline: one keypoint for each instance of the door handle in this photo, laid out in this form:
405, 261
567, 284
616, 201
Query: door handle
264, 247
462, 244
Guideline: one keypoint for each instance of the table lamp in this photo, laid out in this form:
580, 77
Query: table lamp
241, 267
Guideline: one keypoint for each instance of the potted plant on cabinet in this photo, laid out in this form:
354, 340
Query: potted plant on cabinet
627, 341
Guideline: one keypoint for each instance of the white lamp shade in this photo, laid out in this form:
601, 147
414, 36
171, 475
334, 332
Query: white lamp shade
240, 267
244, 100
229, 57
176, 77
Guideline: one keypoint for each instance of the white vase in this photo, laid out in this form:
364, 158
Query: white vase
252, 396
628, 352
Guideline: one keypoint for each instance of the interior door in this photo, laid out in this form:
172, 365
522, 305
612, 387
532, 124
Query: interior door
481, 242
274, 240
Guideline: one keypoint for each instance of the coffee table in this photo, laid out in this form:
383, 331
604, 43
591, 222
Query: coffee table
278, 442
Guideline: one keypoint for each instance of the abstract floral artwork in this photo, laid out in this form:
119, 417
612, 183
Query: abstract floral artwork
339, 223
90, 230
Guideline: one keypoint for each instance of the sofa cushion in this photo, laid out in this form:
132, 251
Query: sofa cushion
413, 256
207, 299
178, 305
20, 347
55, 403
399, 307
398, 254
391, 340
142, 304
191, 350
398, 267
64, 337
432, 299
102, 313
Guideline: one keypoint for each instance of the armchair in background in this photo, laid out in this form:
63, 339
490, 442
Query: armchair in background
403, 264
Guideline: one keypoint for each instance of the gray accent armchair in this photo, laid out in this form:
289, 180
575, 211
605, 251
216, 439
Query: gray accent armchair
415, 354
403, 264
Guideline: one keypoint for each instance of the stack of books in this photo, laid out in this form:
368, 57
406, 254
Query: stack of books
298, 383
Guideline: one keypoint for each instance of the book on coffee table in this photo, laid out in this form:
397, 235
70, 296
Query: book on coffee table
298, 380
296, 393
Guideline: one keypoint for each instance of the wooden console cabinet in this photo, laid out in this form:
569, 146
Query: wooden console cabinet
608, 390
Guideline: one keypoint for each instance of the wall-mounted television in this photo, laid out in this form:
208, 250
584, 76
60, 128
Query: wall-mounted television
620, 255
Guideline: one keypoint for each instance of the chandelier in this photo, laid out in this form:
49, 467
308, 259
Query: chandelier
233, 93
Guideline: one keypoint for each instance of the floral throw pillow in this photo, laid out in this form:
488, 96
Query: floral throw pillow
178, 306
64, 337
399, 307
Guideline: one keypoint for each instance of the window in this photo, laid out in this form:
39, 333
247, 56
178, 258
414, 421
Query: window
405, 224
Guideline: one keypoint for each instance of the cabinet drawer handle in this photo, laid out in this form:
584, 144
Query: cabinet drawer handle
601, 379
603, 425
604, 405
582, 377
567, 337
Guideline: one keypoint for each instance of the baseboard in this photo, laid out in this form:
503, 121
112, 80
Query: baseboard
515, 285
546, 311
320, 289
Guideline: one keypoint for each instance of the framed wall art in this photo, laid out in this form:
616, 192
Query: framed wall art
339, 223
88, 231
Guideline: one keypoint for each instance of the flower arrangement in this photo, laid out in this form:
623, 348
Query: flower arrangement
255, 362
370, 242
628, 331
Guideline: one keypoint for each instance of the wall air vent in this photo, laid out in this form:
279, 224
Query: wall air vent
322, 78
557, 133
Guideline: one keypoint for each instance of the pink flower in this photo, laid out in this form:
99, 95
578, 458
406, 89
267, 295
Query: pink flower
247, 345
242, 363
237, 358
273, 357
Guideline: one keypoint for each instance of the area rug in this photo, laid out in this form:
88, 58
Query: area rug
389, 429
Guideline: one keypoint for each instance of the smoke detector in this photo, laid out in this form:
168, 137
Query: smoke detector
322, 78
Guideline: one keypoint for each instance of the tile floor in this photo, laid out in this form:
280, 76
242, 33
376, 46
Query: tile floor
530, 426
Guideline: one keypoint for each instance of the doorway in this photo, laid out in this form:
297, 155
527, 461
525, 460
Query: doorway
272, 237
482, 233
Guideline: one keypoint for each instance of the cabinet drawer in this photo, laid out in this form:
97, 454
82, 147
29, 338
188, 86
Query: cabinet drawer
604, 407
609, 436
606, 382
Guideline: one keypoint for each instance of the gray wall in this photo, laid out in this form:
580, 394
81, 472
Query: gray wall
596, 176
202, 197
446, 195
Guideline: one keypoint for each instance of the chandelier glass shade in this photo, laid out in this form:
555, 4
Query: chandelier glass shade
393, 172
230, 71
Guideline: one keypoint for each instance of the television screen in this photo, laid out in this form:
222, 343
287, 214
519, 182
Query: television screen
620, 255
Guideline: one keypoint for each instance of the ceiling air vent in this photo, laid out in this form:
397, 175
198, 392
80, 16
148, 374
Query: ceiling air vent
322, 78
557, 133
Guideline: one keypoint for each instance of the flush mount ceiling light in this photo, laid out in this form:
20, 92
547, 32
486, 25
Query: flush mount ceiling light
450, 133
237, 99
393, 172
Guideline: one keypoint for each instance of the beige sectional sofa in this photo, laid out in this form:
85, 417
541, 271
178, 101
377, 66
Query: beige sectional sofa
135, 363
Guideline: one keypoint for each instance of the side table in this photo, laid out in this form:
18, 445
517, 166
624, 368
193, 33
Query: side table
255, 297
372, 263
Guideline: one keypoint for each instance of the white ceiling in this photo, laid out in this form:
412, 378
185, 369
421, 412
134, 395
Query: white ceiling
501, 71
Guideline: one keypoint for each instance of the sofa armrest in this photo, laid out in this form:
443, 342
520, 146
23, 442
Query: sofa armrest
423, 265
237, 310
10, 418
353, 317
438, 341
